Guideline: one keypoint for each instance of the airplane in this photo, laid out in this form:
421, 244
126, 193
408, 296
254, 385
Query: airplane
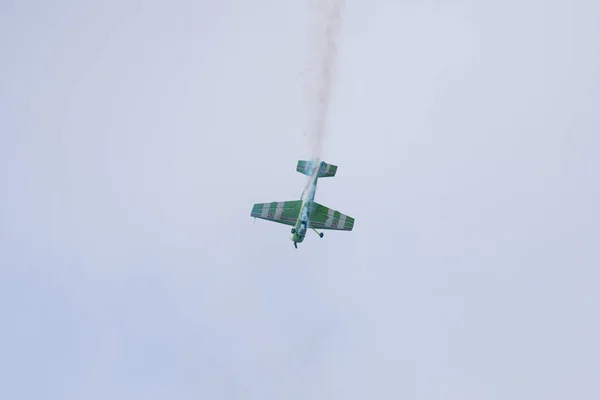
305, 213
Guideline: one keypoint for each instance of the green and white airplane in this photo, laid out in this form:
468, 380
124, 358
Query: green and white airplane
305, 213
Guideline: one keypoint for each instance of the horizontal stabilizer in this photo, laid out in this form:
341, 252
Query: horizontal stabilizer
325, 170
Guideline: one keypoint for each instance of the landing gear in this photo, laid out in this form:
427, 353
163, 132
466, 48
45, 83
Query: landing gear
295, 245
317, 232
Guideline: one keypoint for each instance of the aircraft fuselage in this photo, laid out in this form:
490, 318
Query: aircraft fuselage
308, 199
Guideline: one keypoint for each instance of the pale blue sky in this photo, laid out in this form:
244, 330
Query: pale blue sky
135, 137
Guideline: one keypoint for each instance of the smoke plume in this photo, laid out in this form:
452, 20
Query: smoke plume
319, 79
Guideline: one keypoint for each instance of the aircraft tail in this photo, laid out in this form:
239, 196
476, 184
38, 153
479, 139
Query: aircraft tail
325, 170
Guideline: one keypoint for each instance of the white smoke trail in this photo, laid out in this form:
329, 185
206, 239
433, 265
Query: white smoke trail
320, 71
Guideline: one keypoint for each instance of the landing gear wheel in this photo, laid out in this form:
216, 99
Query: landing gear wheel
321, 234
295, 245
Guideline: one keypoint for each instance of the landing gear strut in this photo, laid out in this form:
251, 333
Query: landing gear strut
318, 233
295, 245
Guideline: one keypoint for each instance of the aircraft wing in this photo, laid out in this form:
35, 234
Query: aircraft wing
326, 218
283, 212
